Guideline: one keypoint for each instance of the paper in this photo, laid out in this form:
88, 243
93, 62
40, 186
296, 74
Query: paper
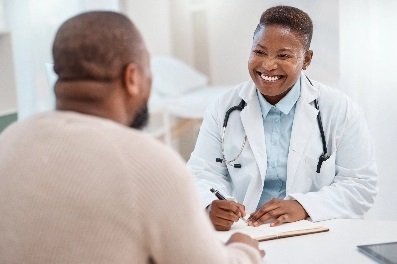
265, 232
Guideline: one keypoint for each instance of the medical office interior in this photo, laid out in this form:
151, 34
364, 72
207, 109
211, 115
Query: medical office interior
201, 48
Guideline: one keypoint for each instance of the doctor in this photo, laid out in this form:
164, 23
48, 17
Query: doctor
292, 148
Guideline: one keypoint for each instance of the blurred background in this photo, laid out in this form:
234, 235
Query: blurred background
354, 45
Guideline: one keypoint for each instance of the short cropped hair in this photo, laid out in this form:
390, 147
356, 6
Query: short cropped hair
95, 46
290, 17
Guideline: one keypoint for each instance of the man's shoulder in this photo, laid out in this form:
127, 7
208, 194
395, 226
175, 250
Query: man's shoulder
87, 129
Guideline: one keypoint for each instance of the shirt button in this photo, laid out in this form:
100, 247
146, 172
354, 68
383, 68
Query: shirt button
274, 165
276, 120
274, 143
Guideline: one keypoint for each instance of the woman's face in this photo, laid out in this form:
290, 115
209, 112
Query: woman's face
277, 57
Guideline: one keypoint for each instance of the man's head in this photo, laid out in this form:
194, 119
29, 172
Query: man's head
280, 51
103, 67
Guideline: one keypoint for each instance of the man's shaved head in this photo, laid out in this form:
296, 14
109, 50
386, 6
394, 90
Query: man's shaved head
103, 68
96, 46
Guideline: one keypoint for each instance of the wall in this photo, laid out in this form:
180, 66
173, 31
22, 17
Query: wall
181, 30
2, 17
152, 17
367, 57
8, 95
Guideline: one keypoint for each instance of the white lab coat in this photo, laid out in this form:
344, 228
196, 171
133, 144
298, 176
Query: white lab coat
345, 187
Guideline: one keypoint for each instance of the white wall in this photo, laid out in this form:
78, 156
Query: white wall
368, 58
152, 17
181, 30
2, 17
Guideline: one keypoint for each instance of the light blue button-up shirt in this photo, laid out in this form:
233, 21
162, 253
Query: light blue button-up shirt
277, 123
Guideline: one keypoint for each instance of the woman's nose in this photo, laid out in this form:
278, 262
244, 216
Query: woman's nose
269, 64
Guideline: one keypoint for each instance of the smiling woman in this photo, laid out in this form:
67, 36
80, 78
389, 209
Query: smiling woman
279, 52
285, 132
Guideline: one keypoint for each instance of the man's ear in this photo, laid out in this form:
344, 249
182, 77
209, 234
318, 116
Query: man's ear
132, 79
308, 59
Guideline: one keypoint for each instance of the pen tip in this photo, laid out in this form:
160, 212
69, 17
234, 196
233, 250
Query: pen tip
212, 190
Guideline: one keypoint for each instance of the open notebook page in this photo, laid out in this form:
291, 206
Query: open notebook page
265, 232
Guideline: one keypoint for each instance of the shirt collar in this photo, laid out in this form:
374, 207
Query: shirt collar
285, 105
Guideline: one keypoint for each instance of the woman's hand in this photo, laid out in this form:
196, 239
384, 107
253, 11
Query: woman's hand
224, 213
283, 211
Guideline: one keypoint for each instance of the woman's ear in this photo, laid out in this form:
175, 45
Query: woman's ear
308, 59
131, 79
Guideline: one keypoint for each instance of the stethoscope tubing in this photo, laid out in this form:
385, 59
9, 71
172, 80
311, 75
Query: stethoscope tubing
323, 157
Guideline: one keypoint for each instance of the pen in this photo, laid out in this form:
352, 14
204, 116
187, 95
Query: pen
221, 197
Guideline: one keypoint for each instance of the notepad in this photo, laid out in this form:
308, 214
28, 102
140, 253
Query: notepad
266, 232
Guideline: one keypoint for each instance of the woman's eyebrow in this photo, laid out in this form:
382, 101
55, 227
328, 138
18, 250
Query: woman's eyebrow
286, 49
261, 46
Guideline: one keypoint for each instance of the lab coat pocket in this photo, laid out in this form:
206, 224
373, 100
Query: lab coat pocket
326, 175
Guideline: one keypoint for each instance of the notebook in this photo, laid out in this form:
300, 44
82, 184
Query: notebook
265, 232
385, 253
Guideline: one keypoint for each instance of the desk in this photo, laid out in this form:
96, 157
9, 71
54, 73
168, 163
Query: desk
339, 245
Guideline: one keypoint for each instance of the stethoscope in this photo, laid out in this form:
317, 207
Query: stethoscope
240, 107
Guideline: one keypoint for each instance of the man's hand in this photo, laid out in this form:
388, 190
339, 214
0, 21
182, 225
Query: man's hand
242, 238
283, 211
224, 213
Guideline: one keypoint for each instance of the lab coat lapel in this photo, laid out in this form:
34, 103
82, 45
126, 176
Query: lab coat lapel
251, 119
305, 121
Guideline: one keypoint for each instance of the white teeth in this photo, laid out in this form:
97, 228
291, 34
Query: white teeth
269, 78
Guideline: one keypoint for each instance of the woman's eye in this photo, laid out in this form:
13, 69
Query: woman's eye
259, 52
284, 56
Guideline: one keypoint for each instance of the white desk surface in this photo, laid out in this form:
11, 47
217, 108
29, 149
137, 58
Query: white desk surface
337, 246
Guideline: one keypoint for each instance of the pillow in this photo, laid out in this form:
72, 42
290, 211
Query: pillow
173, 77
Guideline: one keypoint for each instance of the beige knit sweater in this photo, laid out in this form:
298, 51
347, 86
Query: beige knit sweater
81, 189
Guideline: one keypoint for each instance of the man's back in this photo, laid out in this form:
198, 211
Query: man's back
82, 189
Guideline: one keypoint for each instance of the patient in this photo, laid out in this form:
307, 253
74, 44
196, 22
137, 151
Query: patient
79, 186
